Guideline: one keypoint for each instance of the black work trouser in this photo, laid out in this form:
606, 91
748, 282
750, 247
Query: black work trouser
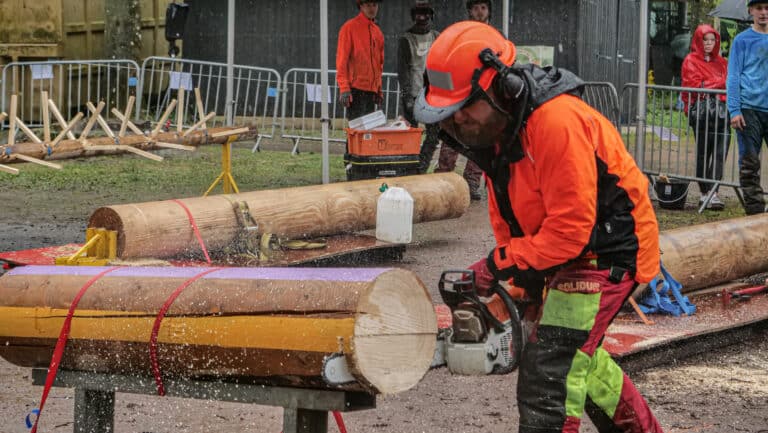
750, 144
713, 139
363, 102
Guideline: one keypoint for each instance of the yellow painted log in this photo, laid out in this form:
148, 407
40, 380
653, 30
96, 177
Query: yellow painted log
270, 325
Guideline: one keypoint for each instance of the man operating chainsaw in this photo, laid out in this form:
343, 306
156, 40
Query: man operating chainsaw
570, 211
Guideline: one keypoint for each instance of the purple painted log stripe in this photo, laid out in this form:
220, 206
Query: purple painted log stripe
298, 274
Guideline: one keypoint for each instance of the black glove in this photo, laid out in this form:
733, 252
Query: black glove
346, 99
503, 268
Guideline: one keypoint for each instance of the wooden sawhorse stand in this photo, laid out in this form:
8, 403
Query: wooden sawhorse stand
305, 410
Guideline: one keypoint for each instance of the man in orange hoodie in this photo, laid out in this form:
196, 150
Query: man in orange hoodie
360, 61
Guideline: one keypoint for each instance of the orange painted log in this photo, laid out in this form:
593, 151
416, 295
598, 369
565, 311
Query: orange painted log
268, 325
163, 229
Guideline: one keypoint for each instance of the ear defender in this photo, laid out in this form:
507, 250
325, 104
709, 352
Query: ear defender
508, 84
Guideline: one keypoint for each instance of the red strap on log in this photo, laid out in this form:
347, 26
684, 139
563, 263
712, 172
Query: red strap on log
194, 229
159, 320
58, 351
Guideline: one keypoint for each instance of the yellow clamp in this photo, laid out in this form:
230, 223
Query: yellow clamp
99, 250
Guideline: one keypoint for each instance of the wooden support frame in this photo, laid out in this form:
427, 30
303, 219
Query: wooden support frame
164, 117
304, 410
67, 129
59, 118
12, 122
97, 113
28, 132
201, 122
200, 109
128, 123
92, 120
180, 110
46, 116
128, 110
9, 170
36, 161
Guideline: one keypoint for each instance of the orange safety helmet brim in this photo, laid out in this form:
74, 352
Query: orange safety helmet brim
451, 65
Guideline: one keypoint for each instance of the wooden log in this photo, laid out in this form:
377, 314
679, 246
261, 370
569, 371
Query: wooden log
269, 325
162, 228
714, 253
66, 149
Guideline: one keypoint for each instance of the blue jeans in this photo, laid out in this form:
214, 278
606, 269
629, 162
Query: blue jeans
750, 144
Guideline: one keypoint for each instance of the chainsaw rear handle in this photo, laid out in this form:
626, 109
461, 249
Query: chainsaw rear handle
458, 289
462, 289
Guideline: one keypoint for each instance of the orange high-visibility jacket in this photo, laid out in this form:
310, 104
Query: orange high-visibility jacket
576, 193
360, 55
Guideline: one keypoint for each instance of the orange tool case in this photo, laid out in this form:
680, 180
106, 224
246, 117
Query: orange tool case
383, 152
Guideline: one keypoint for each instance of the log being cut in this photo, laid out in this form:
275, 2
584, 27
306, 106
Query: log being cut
265, 325
163, 228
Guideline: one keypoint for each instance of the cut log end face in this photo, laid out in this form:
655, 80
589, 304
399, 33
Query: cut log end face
395, 333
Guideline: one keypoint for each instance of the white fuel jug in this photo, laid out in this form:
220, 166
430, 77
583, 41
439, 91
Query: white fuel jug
394, 216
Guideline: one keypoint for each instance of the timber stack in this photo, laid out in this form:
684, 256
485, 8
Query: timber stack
261, 325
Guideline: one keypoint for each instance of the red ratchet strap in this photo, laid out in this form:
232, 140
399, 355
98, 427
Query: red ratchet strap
339, 421
194, 229
159, 320
58, 351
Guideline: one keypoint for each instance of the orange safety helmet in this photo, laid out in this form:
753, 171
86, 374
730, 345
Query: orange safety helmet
455, 72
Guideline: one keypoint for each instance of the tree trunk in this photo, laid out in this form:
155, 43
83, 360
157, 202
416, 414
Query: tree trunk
163, 229
122, 29
709, 254
269, 325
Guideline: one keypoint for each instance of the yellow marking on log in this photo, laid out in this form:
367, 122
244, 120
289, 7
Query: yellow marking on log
311, 334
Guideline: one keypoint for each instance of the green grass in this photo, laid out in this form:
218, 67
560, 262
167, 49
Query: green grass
181, 173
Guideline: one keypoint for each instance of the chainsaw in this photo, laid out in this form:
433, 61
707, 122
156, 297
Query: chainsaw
486, 336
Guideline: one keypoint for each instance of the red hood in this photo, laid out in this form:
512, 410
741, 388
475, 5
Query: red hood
697, 43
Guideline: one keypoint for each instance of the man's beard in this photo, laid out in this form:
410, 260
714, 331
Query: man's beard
480, 138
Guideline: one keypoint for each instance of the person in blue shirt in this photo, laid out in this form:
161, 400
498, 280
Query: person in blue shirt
747, 87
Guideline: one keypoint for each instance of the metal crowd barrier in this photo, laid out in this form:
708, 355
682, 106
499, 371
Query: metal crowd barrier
300, 105
670, 142
255, 99
71, 84
602, 96
671, 147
